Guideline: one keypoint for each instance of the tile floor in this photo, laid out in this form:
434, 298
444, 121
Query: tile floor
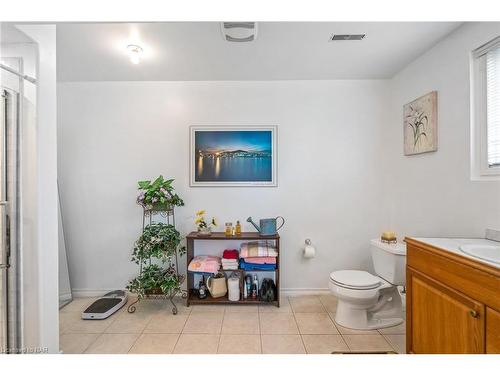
300, 325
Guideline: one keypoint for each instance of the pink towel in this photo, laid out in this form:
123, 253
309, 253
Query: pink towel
205, 263
260, 260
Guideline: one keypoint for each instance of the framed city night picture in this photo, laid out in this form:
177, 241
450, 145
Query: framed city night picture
233, 156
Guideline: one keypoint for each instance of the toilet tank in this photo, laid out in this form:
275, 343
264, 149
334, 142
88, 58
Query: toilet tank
389, 261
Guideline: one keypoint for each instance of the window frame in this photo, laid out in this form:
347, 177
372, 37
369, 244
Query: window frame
480, 170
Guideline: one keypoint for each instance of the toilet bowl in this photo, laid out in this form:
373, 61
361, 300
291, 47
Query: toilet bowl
367, 301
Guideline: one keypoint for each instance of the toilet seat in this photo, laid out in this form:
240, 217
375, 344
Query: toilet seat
355, 279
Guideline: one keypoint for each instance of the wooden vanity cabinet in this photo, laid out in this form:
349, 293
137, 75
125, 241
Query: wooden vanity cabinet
493, 333
452, 303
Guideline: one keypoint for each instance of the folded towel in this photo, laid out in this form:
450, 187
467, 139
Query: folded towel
260, 260
258, 249
230, 254
230, 268
229, 261
205, 263
256, 267
235, 264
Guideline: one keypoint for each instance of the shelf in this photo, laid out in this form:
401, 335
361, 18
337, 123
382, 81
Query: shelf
222, 236
239, 270
193, 237
194, 300
248, 271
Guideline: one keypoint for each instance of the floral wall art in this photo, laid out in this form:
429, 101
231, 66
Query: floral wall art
420, 125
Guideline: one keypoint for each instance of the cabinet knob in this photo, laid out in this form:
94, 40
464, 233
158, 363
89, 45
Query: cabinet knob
474, 313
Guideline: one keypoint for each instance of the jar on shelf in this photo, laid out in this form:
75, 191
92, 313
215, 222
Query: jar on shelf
229, 229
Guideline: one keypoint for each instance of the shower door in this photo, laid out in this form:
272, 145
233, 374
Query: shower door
9, 321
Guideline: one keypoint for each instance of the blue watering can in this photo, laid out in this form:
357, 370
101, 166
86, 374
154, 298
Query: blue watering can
267, 226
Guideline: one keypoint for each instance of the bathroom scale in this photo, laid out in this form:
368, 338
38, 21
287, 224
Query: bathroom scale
106, 306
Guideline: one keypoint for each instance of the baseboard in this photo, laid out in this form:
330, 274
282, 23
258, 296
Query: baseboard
290, 292
286, 292
82, 293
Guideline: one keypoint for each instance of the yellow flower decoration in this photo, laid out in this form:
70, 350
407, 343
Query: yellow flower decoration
200, 212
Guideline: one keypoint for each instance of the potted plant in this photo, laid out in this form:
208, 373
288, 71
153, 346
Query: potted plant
158, 195
155, 280
204, 228
158, 241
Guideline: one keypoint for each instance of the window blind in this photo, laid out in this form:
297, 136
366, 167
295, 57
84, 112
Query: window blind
493, 106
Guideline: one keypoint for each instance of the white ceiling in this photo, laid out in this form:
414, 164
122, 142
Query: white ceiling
182, 51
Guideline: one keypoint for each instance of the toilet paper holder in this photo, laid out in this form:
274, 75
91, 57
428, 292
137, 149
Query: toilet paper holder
309, 250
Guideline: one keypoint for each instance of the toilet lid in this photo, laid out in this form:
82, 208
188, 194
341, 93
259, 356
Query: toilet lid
355, 279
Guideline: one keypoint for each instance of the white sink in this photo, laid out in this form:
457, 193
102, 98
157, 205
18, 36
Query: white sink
490, 253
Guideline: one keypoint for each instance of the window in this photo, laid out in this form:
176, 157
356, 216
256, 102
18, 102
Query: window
493, 106
485, 120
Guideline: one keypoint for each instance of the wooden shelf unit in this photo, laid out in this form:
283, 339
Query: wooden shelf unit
193, 299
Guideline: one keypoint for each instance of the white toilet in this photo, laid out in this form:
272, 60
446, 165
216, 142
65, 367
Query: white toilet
366, 301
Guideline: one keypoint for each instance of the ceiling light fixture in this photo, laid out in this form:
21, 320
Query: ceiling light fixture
239, 31
135, 53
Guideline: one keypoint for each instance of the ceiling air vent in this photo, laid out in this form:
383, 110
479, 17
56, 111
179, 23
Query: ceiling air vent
239, 31
336, 37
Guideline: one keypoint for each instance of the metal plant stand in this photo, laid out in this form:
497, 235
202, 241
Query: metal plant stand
148, 218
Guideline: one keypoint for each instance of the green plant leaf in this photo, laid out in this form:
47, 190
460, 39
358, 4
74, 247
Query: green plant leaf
158, 181
159, 189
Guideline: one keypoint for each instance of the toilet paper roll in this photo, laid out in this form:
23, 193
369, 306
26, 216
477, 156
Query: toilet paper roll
309, 251
233, 286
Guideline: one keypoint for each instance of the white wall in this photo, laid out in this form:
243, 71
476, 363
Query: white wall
112, 134
432, 194
46, 176
342, 174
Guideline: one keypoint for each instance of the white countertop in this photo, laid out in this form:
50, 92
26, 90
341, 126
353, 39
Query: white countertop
452, 245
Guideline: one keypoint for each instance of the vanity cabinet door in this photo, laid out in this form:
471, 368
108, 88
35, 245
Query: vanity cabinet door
492, 331
442, 320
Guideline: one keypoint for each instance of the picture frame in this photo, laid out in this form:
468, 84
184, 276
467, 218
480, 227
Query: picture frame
420, 125
233, 156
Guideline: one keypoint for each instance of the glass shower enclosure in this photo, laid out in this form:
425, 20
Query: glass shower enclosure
9, 328
18, 328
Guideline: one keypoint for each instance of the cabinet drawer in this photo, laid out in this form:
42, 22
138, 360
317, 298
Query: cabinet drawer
492, 331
